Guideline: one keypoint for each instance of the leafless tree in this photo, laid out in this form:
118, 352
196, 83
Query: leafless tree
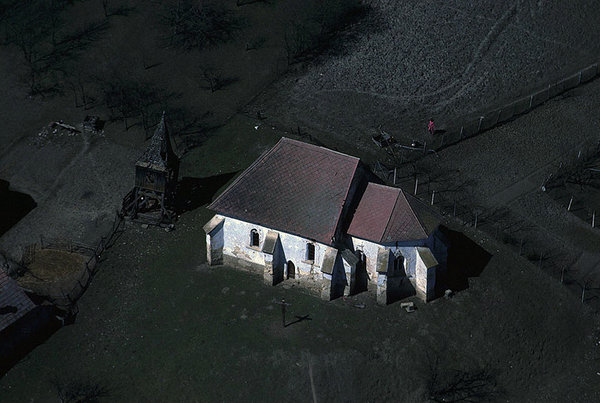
76, 391
47, 44
472, 385
197, 25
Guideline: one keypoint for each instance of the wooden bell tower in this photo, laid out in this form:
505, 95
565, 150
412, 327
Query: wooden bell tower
156, 174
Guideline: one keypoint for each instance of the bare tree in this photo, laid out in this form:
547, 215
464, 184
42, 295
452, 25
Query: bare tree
128, 99
197, 25
215, 79
47, 44
79, 390
473, 385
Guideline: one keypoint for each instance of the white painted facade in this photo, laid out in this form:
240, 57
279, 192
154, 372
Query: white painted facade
237, 238
230, 240
420, 275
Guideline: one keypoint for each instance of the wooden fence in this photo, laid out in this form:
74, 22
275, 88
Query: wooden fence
67, 300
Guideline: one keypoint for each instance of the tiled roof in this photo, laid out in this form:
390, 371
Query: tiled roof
294, 187
159, 150
386, 214
14, 303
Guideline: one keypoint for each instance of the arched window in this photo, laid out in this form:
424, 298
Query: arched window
398, 263
362, 258
310, 252
254, 238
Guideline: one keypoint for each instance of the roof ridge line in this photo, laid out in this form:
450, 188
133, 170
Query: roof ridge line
423, 228
391, 212
339, 215
302, 143
245, 172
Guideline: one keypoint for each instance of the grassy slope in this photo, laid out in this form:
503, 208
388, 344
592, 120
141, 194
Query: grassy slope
157, 321
158, 325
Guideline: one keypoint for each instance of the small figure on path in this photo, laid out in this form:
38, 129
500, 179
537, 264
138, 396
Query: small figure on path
431, 127
283, 305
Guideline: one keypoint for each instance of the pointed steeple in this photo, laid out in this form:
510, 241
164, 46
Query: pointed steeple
159, 153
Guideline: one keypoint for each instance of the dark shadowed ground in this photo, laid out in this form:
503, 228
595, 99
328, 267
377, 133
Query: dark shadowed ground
157, 324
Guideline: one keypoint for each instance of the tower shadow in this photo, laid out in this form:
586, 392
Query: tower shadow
195, 192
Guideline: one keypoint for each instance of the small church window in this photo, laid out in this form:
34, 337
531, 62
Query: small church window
310, 251
398, 264
362, 258
254, 238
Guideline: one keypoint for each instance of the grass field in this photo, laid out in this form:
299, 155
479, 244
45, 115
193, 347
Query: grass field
157, 324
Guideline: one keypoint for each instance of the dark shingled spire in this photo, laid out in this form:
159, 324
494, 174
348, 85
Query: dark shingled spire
159, 154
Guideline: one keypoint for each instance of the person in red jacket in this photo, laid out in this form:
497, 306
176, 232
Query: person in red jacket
431, 127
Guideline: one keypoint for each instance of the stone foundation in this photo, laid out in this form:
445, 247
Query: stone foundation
243, 264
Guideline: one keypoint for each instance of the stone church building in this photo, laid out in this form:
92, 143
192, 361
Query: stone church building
318, 216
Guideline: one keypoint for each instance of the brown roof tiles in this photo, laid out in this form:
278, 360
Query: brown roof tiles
294, 187
386, 214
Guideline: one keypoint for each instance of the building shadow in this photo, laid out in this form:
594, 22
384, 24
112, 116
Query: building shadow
399, 287
362, 276
195, 192
24, 335
13, 206
465, 259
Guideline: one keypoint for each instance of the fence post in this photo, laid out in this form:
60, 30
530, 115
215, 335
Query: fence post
432, 197
416, 185
594, 219
570, 203
476, 220
395, 169
479, 127
521, 247
530, 101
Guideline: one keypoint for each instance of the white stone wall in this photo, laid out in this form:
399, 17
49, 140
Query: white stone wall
370, 250
425, 279
236, 234
407, 249
214, 244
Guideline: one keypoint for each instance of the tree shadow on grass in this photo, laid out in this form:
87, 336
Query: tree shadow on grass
465, 259
195, 192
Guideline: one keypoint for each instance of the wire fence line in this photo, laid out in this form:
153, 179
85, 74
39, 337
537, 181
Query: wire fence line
67, 299
488, 120
455, 200
525, 236
470, 127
